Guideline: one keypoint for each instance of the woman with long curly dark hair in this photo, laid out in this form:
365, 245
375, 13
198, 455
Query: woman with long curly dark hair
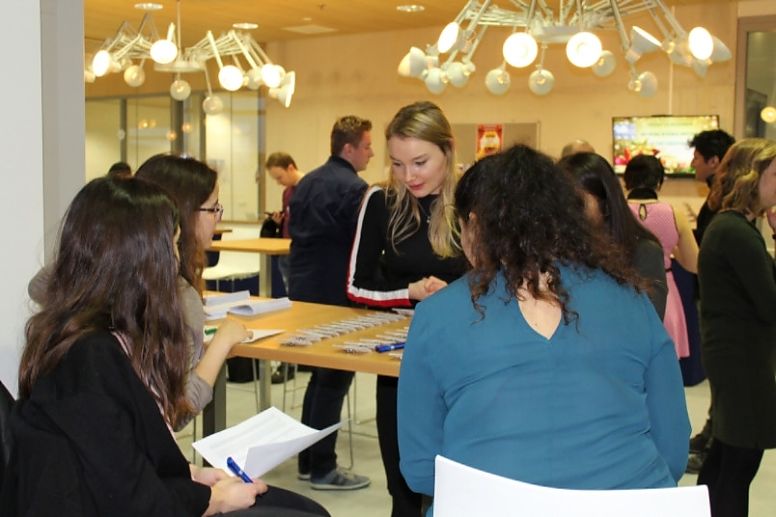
102, 376
544, 363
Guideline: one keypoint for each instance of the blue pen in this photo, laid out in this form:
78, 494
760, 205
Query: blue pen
237, 470
388, 348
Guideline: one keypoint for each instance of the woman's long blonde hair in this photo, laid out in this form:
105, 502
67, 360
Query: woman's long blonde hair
736, 184
425, 121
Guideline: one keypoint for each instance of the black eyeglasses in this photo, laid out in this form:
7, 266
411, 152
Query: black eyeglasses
218, 209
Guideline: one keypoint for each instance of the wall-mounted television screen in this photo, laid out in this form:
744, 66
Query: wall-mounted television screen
665, 136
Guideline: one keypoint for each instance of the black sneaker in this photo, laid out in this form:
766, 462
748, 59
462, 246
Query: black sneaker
339, 480
695, 462
701, 441
277, 376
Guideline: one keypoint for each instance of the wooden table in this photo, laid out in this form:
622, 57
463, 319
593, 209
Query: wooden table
266, 248
322, 354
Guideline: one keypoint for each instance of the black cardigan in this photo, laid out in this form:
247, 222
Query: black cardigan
90, 441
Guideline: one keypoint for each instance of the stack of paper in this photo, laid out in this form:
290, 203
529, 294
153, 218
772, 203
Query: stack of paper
260, 443
241, 303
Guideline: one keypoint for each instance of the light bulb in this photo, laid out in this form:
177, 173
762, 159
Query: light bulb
180, 90
230, 77
520, 49
272, 75
605, 64
497, 81
212, 105
254, 78
134, 76
164, 51
450, 39
541, 81
583, 49
101, 63
701, 43
436, 81
768, 114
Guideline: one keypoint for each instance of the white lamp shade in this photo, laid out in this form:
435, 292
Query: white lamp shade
435, 81
89, 76
497, 81
134, 76
254, 78
404, 66
645, 84
520, 49
721, 52
230, 77
286, 90
583, 49
642, 42
212, 105
541, 81
768, 114
164, 51
700, 67
272, 75
101, 63
418, 62
605, 64
457, 74
180, 90
701, 43
452, 38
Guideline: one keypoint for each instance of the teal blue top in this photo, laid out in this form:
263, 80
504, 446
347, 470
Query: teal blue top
600, 405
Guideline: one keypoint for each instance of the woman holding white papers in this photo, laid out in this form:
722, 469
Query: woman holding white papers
194, 188
546, 363
405, 250
102, 374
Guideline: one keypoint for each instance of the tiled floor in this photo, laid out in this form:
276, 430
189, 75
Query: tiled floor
374, 500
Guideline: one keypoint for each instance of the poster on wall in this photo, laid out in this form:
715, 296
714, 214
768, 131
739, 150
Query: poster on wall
490, 139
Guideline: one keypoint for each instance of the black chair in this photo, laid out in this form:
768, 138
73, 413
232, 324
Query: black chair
6, 403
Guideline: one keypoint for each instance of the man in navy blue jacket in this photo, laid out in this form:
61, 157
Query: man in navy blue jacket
324, 209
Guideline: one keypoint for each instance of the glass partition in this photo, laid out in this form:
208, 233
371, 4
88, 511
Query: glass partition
132, 129
756, 78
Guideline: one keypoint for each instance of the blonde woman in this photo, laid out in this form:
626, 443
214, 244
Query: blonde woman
738, 323
405, 249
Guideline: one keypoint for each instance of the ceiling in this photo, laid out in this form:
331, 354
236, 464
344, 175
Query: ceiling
103, 17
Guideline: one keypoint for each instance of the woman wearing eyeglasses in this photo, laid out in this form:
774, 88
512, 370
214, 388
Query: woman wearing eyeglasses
194, 188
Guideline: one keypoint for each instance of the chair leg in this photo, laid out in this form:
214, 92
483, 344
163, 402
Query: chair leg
350, 432
255, 384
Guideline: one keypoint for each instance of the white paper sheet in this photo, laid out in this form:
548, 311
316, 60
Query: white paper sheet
261, 442
461, 491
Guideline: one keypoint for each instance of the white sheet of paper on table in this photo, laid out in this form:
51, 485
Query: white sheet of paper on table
261, 442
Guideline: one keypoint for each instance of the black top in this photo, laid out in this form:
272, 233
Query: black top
379, 271
91, 441
704, 216
324, 210
738, 330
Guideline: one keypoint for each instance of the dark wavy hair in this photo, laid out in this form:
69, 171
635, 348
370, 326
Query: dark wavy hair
529, 220
189, 182
115, 269
594, 175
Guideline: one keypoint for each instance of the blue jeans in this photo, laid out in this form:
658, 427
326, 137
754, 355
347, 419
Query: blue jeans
321, 408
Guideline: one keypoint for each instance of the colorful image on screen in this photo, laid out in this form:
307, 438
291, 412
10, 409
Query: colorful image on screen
664, 136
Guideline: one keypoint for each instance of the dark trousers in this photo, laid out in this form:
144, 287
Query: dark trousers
406, 503
728, 471
321, 408
278, 502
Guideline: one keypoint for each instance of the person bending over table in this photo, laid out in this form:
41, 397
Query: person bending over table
405, 250
102, 376
546, 363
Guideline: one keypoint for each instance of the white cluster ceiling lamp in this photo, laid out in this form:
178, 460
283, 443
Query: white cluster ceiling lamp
535, 26
129, 49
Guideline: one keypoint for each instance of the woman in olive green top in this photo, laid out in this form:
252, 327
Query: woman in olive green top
738, 324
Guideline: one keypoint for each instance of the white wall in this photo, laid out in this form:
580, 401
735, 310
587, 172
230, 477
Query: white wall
42, 157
